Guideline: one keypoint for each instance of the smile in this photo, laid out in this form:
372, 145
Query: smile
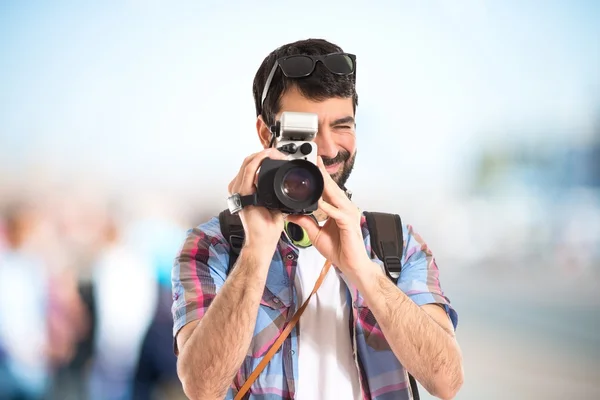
333, 168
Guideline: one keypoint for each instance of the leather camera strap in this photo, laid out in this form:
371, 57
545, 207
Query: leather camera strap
246, 386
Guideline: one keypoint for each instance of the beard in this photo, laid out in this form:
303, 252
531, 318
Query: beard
347, 164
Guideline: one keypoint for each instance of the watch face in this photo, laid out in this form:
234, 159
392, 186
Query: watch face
234, 203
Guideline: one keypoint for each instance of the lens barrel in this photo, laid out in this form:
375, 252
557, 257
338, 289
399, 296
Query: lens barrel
298, 184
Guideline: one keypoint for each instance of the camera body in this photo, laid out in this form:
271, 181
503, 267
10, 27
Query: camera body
295, 185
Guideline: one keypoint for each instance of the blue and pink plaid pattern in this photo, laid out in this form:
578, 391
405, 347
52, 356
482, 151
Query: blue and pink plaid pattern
200, 271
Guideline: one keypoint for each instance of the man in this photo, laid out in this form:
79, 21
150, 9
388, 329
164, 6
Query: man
361, 334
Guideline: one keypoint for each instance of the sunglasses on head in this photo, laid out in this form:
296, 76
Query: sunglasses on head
302, 65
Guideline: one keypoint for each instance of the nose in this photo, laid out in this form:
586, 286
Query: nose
325, 143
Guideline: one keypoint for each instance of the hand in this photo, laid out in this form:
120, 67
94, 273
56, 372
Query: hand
262, 226
340, 239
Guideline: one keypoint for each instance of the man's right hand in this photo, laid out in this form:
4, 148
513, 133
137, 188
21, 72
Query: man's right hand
213, 347
262, 226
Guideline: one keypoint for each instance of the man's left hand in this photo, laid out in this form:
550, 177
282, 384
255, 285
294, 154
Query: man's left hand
340, 239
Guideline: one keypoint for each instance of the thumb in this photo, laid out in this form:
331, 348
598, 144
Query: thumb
307, 223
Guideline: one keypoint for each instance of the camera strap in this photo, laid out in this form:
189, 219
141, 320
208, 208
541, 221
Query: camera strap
284, 334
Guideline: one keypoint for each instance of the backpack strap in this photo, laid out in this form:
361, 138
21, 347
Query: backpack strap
387, 241
233, 231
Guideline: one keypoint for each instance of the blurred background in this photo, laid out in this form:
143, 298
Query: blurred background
121, 124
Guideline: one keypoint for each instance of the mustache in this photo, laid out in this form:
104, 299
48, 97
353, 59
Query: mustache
342, 156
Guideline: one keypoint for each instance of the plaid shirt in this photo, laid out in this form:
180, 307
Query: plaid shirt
200, 271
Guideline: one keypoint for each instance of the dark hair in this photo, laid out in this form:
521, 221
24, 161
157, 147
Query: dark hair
320, 85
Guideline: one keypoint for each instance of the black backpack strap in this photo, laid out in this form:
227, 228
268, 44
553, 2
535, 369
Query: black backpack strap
387, 242
414, 388
233, 231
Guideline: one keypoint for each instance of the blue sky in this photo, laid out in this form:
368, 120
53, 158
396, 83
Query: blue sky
148, 89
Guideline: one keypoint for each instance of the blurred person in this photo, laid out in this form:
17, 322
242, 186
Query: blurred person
156, 371
71, 299
69, 321
25, 348
362, 334
158, 236
120, 271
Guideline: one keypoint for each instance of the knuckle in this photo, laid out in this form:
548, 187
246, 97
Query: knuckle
249, 158
248, 169
253, 166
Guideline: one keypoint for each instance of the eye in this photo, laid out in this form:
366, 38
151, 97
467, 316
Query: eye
343, 127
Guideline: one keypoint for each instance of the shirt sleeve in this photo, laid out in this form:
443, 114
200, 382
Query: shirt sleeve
420, 278
199, 272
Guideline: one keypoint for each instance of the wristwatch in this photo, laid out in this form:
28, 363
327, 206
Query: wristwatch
236, 202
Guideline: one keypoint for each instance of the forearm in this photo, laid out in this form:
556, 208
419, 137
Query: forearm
425, 348
217, 347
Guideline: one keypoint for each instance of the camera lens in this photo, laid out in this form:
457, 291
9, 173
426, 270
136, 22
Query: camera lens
298, 184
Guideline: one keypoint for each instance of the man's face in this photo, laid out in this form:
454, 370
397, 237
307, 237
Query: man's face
336, 139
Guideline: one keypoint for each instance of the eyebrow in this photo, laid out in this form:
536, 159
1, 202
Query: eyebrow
345, 120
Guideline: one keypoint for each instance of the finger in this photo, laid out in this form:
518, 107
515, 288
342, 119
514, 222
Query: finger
309, 224
331, 211
275, 155
247, 161
249, 174
329, 182
235, 182
332, 192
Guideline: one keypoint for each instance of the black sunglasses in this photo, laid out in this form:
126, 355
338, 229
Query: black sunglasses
302, 65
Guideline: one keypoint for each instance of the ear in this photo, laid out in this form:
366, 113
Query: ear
264, 133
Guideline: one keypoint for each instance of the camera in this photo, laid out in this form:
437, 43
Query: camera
295, 185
